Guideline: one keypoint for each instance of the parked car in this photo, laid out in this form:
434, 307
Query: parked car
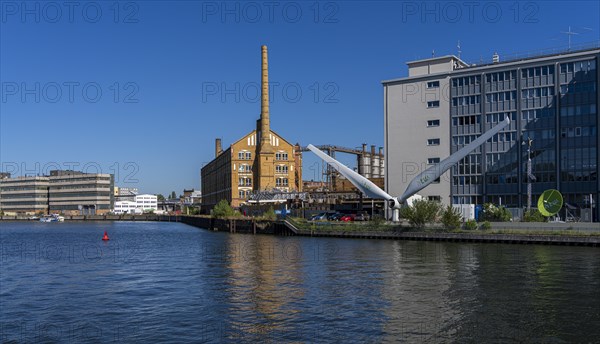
347, 218
334, 216
362, 217
319, 216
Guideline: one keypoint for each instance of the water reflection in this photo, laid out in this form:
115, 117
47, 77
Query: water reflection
159, 282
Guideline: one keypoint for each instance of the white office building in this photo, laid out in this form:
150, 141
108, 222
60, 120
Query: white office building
142, 204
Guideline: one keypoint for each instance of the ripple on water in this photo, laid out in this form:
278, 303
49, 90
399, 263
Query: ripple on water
167, 282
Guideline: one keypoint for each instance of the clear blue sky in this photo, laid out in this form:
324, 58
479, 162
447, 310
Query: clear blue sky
173, 75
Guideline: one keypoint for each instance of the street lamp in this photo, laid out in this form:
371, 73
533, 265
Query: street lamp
530, 176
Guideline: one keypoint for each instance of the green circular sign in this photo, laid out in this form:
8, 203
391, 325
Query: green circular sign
550, 202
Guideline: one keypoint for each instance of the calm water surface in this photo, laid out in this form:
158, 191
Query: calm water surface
168, 282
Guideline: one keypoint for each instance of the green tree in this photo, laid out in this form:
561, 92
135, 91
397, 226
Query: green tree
173, 195
471, 225
497, 214
270, 214
421, 212
450, 217
160, 197
534, 215
223, 209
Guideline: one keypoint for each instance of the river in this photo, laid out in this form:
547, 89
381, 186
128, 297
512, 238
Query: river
157, 282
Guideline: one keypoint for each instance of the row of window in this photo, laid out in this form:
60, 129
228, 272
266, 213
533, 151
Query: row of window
281, 169
244, 193
466, 100
538, 92
432, 161
500, 116
504, 137
25, 196
467, 180
537, 71
500, 96
245, 168
466, 81
571, 67
244, 181
579, 87
244, 155
24, 188
281, 156
8, 204
579, 66
539, 134
577, 131
281, 182
500, 76
586, 109
537, 113
466, 120
463, 139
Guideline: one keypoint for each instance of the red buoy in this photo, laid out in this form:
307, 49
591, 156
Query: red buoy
105, 237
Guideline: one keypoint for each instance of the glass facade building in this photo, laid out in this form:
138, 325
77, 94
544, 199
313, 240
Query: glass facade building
552, 102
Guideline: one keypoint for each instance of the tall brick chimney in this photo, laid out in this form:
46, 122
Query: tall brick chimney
265, 125
218, 148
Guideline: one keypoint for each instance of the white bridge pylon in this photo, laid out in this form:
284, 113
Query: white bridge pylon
424, 178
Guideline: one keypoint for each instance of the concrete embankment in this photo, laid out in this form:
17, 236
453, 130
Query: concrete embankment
253, 226
570, 240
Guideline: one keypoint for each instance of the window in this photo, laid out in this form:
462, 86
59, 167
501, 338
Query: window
244, 181
434, 198
245, 168
433, 123
433, 160
281, 182
281, 169
433, 142
433, 84
433, 104
244, 155
281, 156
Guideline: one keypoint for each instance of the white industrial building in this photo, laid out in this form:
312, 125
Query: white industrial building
142, 204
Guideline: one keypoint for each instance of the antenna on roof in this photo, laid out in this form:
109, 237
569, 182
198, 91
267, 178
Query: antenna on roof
458, 47
569, 34
433, 53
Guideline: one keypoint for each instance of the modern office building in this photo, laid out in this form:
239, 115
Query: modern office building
261, 160
74, 193
24, 195
66, 192
446, 103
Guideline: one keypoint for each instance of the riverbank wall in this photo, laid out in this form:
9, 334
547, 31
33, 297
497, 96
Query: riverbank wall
285, 228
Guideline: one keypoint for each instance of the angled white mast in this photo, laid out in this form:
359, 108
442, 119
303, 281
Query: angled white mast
419, 182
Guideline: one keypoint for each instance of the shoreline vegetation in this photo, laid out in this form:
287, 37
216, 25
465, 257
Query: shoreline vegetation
305, 225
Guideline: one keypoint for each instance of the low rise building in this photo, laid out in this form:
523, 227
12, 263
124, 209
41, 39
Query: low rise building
24, 195
66, 192
74, 193
142, 204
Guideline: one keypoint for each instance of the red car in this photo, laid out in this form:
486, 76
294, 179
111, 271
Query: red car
347, 218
